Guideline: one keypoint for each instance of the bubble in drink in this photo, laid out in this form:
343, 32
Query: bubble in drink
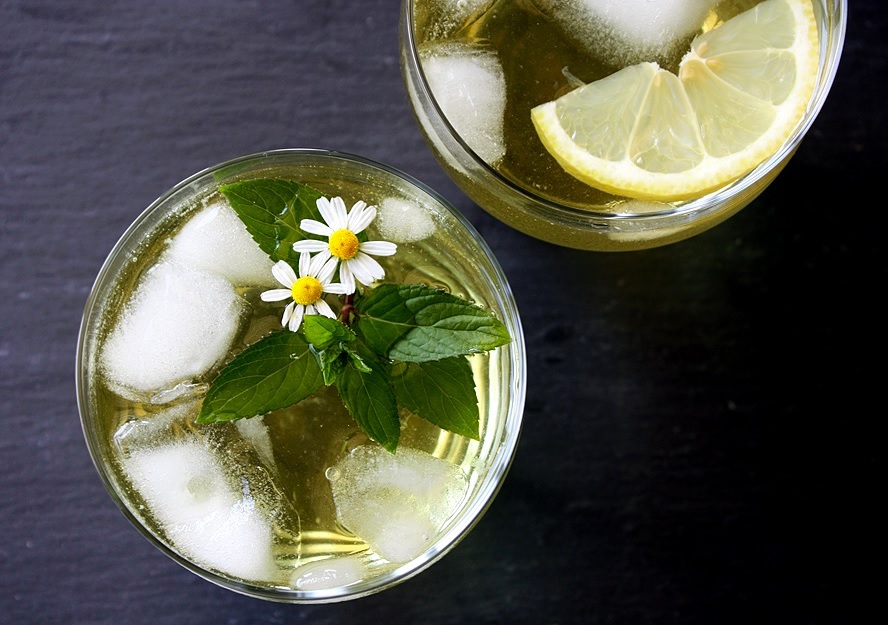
468, 83
396, 502
178, 324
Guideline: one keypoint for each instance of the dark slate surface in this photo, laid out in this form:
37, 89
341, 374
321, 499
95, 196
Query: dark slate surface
700, 441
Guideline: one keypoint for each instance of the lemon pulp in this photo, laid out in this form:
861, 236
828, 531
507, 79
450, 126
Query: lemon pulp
647, 133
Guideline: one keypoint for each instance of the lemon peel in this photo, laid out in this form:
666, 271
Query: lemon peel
646, 133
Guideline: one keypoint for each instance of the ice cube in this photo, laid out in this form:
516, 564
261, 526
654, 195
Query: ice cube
396, 503
330, 573
400, 221
151, 429
216, 240
469, 85
178, 323
206, 518
445, 18
630, 31
255, 433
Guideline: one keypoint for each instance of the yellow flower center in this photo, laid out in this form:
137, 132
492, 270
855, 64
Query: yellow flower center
344, 244
307, 290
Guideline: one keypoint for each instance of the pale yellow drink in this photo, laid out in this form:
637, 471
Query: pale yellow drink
536, 51
271, 483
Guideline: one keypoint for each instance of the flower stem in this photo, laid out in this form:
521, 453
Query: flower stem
348, 309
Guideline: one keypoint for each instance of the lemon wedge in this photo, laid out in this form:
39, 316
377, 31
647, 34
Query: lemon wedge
646, 133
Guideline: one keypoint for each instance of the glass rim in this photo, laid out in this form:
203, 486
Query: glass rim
708, 204
483, 496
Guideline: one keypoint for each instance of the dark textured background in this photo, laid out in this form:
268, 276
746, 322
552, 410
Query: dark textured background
701, 435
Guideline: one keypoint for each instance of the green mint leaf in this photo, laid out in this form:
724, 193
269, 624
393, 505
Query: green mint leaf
355, 359
415, 323
441, 392
322, 332
329, 338
370, 399
332, 362
274, 372
272, 210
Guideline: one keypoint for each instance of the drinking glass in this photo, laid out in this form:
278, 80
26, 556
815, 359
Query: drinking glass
607, 224
452, 257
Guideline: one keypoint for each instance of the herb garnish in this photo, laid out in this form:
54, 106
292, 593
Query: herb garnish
388, 345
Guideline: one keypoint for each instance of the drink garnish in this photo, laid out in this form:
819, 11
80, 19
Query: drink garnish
386, 347
647, 133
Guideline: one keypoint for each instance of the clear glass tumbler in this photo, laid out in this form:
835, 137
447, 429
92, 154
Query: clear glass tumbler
544, 209
248, 504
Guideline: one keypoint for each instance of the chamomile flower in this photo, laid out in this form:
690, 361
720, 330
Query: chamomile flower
307, 289
341, 229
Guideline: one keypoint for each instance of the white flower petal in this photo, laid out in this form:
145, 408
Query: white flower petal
368, 265
324, 254
360, 219
310, 245
339, 211
361, 270
326, 210
275, 295
315, 266
304, 262
324, 308
296, 319
315, 227
283, 273
288, 313
337, 288
332, 212
311, 310
325, 273
378, 248
346, 278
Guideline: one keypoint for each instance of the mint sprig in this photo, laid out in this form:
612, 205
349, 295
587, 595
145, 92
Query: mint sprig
331, 342
393, 347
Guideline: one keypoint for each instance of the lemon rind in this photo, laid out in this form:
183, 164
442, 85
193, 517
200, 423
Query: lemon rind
624, 178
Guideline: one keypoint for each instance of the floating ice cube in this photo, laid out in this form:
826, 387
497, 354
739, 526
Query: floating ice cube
178, 323
449, 16
255, 433
630, 30
216, 240
403, 222
331, 573
152, 429
396, 503
205, 517
469, 85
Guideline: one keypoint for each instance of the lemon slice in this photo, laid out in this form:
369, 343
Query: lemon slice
644, 132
